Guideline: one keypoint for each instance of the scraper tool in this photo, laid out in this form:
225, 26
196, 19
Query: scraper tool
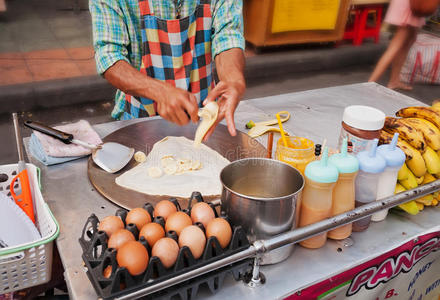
110, 156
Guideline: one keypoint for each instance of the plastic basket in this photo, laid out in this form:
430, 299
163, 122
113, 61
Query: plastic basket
29, 264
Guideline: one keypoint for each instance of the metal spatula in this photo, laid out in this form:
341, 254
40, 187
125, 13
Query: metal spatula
110, 156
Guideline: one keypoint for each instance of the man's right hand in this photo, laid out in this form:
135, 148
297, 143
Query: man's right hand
177, 105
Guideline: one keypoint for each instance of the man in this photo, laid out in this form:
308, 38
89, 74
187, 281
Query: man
158, 54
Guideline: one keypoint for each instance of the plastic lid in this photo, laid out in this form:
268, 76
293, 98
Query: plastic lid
321, 171
346, 163
370, 161
393, 155
363, 117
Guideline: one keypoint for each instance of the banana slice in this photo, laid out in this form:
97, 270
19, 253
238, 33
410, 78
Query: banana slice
185, 164
167, 160
196, 165
171, 168
140, 157
154, 172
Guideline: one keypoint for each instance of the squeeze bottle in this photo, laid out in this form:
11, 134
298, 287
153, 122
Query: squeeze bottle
343, 193
316, 203
395, 158
371, 165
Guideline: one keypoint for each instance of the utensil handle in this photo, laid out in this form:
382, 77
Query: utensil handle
62, 136
18, 140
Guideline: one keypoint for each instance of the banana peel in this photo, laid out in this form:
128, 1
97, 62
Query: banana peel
258, 130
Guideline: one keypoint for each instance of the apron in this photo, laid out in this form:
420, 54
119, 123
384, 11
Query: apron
176, 51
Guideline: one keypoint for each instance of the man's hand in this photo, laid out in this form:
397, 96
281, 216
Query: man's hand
228, 95
177, 105
230, 88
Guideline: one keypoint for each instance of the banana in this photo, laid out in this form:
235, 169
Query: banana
421, 112
406, 132
414, 159
410, 182
419, 180
428, 178
432, 161
403, 173
434, 202
411, 206
425, 200
420, 206
430, 132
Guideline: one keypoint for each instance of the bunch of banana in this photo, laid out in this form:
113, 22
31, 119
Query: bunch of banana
419, 138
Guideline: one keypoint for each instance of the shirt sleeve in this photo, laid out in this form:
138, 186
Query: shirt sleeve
227, 26
110, 36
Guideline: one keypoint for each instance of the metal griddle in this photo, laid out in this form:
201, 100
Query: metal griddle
142, 136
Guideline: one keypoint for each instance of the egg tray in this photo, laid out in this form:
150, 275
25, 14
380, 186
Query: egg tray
97, 256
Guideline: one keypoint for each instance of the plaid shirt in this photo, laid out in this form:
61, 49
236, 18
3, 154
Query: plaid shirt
117, 34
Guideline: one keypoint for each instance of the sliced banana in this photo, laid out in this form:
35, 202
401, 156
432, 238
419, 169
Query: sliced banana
154, 172
140, 157
196, 165
171, 168
167, 160
186, 164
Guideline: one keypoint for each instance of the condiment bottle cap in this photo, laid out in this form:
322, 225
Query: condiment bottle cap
363, 117
321, 170
392, 154
370, 161
346, 163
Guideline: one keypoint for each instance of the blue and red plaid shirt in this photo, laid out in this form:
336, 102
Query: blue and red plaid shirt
117, 34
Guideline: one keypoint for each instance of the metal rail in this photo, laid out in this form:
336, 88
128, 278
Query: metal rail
261, 246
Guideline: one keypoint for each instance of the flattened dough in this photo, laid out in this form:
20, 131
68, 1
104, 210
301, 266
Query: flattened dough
206, 167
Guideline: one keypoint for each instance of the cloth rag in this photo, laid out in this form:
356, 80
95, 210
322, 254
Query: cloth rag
51, 151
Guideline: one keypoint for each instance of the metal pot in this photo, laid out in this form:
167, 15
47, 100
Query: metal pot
262, 195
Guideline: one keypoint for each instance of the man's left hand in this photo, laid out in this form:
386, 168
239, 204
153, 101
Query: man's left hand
228, 95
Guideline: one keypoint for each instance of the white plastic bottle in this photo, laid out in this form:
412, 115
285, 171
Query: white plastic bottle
395, 158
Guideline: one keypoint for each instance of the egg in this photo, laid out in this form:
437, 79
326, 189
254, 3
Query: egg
221, 229
139, 217
194, 238
177, 221
133, 256
107, 272
167, 250
152, 232
164, 209
110, 224
119, 238
203, 213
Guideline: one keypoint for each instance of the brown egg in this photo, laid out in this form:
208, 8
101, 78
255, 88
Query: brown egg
177, 221
133, 256
194, 238
107, 272
152, 232
221, 229
119, 238
164, 209
167, 250
139, 217
110, 224
203, 213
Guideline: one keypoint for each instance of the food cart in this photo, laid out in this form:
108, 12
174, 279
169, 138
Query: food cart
336, 271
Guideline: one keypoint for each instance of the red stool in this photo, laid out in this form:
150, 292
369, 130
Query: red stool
360, 30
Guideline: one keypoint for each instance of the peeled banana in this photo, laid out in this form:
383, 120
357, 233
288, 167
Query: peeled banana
414, 159
432, 161
407, 132
428, 113
430, 132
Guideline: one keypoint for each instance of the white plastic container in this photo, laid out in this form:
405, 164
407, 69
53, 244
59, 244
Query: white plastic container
371, 166
395, 158
29, 264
